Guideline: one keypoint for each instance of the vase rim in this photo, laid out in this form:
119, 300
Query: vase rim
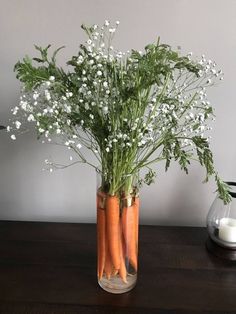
231, 183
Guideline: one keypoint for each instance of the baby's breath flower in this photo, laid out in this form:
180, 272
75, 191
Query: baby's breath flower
15, 110
69, 94
47, 95
119, 106
35, 95
18, 124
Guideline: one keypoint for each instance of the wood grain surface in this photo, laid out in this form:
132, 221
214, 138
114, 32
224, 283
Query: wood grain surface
51, 268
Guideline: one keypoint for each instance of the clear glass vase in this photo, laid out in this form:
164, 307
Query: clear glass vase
117, 237
221, 221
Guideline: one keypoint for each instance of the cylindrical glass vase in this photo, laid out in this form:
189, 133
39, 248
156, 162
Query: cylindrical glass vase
117, 237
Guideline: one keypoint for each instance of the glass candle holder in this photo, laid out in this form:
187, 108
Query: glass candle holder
221, 223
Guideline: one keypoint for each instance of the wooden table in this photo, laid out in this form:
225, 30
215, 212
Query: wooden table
51, 268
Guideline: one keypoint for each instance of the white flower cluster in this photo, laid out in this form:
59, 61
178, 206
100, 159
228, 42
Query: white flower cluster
48, 111
92, 98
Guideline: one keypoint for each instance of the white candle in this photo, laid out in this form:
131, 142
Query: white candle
227, 229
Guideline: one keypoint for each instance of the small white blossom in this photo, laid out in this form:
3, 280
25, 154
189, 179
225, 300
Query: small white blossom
15, 110
69, 94
47, 95
105, 109
99, 73
35, 95
105, 84
18, 124
13, 137
31, 118
68, 108
79, 145
52, 78
80, 60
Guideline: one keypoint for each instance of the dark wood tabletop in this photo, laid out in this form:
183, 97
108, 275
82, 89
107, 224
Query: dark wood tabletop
51, 268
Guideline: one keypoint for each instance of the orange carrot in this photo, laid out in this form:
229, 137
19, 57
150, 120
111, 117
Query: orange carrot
112, 225
122, 270
124, 229
108, 263
136, 214
101, 246
129, 231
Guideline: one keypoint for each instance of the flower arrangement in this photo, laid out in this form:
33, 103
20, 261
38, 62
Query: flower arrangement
130, 110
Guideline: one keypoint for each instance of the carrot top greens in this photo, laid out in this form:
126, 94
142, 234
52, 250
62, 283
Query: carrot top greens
129, 110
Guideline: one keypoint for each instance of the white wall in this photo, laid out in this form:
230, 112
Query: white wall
201, 26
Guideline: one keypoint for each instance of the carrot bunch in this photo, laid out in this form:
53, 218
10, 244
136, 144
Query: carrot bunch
117, 235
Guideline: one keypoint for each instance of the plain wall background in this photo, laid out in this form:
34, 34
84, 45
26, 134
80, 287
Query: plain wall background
201, 26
